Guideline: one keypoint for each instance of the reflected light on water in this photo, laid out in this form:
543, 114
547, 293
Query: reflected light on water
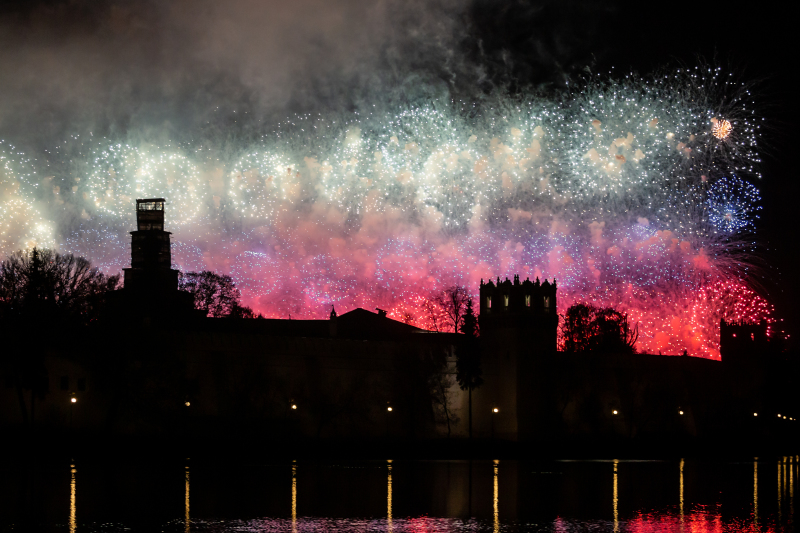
616, 498
73, 524
389, 497
681, 489
496, 499
780, 490
186, 520
294, 496
791, 486
755, 492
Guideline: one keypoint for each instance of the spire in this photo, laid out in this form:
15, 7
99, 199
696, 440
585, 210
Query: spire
333, 312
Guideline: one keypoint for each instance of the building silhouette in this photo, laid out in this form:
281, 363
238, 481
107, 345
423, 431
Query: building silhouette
155, 366
150, 289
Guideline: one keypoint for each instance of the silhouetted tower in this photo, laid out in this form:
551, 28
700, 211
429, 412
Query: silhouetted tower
527, 308
150, 293
151, 260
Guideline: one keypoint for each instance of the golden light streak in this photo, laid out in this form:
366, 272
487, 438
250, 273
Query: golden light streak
496, 499
186, 520
681, 489
389, 497
616, 498
73, 523
294, 496
780, 491
755, 492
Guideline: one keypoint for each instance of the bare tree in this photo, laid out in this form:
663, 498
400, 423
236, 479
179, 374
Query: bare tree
453, 302
214, 294
44, 282
431, 307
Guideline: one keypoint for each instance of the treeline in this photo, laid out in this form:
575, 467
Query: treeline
44, 285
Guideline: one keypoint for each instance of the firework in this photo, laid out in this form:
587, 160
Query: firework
732, 205
721, 129
604, 187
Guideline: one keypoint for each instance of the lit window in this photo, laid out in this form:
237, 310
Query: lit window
547, 302
488, 302
752, 336
505, 299
527, 300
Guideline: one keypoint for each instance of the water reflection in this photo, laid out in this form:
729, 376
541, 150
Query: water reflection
73, 524
186, 520
681, 489
496, 499
400, 496
389, 497
755, 492
294, 496
616, 497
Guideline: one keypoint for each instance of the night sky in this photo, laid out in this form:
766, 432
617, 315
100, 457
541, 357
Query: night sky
224, 71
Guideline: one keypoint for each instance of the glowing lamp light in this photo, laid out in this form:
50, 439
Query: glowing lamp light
784, 417
187, 403
680, 413
779, 415
755, 414
294, 406
495, 410
614, 412
389, 409
73, 400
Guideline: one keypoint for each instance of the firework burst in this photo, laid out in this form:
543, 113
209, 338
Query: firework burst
610, 187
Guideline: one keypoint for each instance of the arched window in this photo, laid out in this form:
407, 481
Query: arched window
488, 302
527, 300
505, 299
546, 303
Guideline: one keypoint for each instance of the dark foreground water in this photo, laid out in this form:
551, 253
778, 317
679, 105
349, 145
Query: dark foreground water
398, 496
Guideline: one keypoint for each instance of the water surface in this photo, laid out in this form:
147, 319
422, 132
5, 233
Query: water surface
403, 496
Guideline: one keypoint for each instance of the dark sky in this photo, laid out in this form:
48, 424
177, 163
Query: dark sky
193, 67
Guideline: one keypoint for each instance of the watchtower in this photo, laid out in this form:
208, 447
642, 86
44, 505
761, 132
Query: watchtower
151, 259
528, 307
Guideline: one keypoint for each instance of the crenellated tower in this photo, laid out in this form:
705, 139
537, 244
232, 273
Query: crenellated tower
518, 335
529, 307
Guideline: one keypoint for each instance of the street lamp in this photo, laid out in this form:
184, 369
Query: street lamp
495, 410
680, 413
389, 409
614, 412
294, 407
72, 401
187, 403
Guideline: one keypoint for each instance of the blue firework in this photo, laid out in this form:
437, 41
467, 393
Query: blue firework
733, 205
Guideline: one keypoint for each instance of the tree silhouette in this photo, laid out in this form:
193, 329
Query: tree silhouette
43, 284
587, 328
468, 358
453, 302
214, 294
